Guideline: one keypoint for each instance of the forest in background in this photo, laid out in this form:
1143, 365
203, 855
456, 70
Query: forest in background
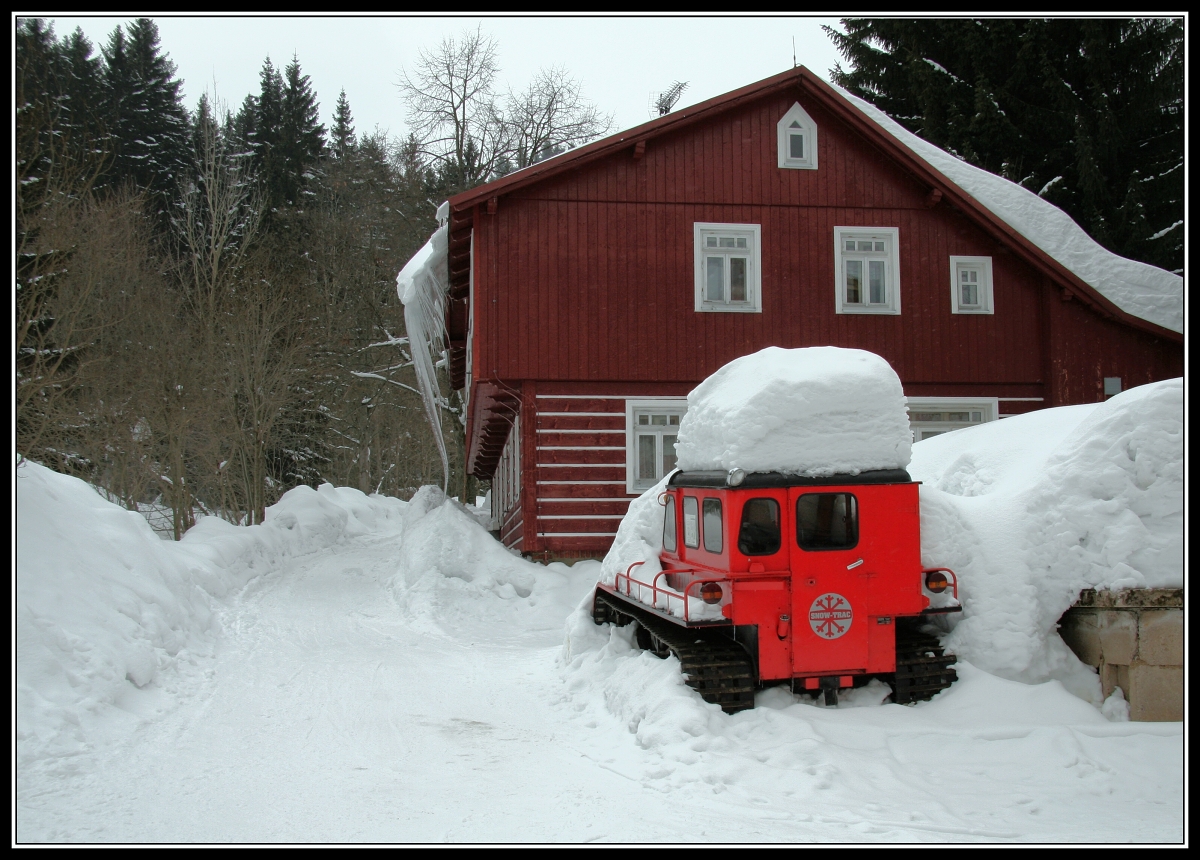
206, 302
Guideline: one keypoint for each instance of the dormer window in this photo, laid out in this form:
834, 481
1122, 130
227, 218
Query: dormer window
797, 135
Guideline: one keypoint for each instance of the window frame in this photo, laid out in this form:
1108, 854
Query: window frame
783, 145
633, 406
989, 407
753, 233
891, 235
984, 266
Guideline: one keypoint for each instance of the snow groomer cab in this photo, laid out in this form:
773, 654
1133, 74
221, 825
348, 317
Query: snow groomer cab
772, 578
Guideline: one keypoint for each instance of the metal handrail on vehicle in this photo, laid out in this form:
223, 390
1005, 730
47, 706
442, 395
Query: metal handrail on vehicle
655, 590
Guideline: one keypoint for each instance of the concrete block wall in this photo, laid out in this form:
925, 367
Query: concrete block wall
1134, 638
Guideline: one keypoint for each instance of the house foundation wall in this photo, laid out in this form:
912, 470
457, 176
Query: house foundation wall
1134, 639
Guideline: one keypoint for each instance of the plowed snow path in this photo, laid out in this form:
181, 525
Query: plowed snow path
333, 712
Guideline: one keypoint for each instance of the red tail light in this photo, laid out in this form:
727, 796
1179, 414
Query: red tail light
711, 592
936, 581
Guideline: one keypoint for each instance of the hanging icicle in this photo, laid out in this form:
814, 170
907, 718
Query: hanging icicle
422, 286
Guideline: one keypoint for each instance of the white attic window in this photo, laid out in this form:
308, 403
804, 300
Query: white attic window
797, 140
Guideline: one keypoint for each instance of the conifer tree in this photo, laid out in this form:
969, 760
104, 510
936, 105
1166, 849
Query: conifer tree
302, 136
146, 118
342, 134
1087, 113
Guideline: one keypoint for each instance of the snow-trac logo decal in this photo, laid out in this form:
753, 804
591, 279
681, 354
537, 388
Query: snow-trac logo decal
830, 615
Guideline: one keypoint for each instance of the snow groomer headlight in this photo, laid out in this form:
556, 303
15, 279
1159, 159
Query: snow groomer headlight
735, 477
936, 581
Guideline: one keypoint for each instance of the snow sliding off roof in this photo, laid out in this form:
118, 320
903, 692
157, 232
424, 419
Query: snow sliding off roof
815, 411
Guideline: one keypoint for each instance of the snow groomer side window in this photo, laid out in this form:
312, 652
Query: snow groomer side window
759, 532
868, 269
827, 521
691, 522
712, 525
669, 525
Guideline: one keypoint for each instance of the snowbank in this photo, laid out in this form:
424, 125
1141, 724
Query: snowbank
104, 607
1139, 289
1032, 509
814, 411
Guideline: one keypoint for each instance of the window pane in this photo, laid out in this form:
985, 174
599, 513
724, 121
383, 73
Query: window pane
712, 242
796, 145
795, 124
878, 246
658, 420
712, 525
853, 282
737, 279
668, 453
715, 283
644, 420
727, 242
849, 244
691, 522
674, 421
864, 246
646, 458
669, 526
827, 521
759, 533
878, 293
741, 242
970, 295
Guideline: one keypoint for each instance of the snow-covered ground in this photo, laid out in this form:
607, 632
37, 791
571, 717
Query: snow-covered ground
362, 669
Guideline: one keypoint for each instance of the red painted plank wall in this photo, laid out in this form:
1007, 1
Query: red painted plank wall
589, 275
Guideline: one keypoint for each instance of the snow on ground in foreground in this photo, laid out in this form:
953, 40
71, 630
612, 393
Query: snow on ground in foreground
360, 668
813, 411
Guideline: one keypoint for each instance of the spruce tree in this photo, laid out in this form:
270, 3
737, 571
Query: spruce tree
342, 133
302, 136
144, 112
1088, 113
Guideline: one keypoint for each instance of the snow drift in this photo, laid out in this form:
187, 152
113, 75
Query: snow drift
815, 411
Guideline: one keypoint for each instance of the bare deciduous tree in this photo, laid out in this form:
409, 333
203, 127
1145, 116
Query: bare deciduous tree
550, 116
453, 106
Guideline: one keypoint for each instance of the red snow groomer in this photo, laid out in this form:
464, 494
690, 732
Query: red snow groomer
815, 582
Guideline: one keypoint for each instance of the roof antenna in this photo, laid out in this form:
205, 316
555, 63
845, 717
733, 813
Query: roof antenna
667, 99
793, 52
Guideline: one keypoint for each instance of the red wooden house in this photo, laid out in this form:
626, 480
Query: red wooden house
591, 292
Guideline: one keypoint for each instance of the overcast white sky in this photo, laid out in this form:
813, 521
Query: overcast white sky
620, 60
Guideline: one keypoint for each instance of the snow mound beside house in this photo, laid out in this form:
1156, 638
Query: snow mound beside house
814, 411
1139, 289
1030, 510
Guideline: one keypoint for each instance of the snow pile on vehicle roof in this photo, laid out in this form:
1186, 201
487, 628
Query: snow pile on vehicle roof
1030, 510
1139, 289
815, 411
103, 606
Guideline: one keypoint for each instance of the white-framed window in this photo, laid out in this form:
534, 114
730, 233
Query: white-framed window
868, 270
651, 430
797, 140
728, 275
971, 285
932, 416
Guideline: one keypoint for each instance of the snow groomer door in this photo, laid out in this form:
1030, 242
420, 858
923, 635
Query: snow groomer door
828, 595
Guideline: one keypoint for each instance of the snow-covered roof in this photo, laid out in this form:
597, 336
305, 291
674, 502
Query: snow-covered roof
1139, 289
